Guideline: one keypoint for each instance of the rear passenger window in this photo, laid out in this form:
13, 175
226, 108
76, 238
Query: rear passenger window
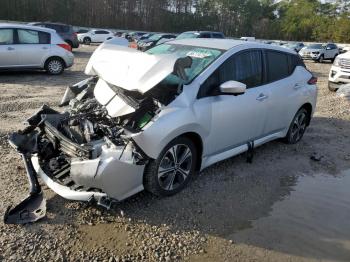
6, 36
32, 37
277, 66
294, 61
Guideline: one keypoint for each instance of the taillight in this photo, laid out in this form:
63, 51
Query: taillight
65, 46
312, 80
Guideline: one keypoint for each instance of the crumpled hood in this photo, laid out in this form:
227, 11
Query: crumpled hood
128, 68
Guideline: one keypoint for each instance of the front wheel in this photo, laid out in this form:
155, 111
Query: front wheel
87, 40
297, 127
321, 59
173, 169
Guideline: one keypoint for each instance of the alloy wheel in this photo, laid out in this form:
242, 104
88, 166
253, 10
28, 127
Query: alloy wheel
175, 167
55, 66
299, 127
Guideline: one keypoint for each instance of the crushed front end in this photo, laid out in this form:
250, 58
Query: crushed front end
82, 153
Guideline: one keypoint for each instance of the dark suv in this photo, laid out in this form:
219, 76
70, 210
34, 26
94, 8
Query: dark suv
65, 31
200, 34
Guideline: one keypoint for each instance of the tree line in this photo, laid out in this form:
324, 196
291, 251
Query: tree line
299, 20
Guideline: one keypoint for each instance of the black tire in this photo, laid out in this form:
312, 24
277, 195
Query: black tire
332, 87
321, 59
69, 43
298, 125
87, 40
334, 57
157, 183
54, 66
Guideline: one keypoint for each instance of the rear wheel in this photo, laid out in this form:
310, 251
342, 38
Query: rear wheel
54, 66
87, 40
297, 127
173, 169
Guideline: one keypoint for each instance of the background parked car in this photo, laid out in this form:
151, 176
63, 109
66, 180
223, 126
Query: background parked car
200, 34
65, 31
319, 52
297, 46
340, 72
154, 40
95, 36
23, 46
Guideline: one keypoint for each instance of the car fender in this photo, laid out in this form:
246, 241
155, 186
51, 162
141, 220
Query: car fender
170, 124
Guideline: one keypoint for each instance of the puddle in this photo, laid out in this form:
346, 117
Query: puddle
313, 221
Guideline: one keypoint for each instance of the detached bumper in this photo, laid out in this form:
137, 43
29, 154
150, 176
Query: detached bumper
66, 191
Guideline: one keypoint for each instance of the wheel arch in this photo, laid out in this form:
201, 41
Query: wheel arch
198, 142
308, 107
54, 57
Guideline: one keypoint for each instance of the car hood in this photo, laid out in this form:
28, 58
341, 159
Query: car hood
311, 50
344, 55
128, 68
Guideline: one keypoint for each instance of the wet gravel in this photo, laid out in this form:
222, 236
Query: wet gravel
194, 225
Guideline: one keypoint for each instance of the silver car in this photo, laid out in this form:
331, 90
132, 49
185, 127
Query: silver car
153, 120
32, 47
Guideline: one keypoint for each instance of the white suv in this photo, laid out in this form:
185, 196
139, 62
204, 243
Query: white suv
95, 36
33, 47
340, 71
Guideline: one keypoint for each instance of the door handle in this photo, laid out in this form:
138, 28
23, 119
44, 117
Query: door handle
261, 97
297, 86
10, 48
45, 47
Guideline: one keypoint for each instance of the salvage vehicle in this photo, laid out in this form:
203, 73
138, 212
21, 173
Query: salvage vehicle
33, 47
319, 52
340, 72
153, 120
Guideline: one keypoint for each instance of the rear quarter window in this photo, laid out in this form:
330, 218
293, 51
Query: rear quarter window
277, 65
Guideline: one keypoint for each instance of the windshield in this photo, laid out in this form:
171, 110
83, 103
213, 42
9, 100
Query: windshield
155, 37
315, 46
202, 57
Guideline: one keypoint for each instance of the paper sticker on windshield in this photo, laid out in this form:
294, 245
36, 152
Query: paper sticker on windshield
198, 54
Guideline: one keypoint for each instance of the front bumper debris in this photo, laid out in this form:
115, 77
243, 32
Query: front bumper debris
33, 207
99, 172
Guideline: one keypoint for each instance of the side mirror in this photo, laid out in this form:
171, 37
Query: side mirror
233, 87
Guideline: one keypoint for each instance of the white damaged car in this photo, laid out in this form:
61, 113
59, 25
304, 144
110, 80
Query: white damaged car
151, 120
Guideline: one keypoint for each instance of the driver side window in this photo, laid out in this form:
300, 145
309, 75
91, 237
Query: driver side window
245, 67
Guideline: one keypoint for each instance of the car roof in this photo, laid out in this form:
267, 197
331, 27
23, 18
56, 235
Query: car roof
224, 44
200, 32
32, 27
51, 23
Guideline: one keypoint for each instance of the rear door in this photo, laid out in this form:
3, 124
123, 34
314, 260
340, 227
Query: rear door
8, 52
33, 47
285, 79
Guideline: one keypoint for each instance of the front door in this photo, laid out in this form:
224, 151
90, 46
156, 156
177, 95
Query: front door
8, 54
234, 119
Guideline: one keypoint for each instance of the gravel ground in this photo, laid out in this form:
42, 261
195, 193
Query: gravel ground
198, 224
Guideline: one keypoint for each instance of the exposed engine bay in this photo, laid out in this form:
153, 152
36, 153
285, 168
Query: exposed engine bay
87, 152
